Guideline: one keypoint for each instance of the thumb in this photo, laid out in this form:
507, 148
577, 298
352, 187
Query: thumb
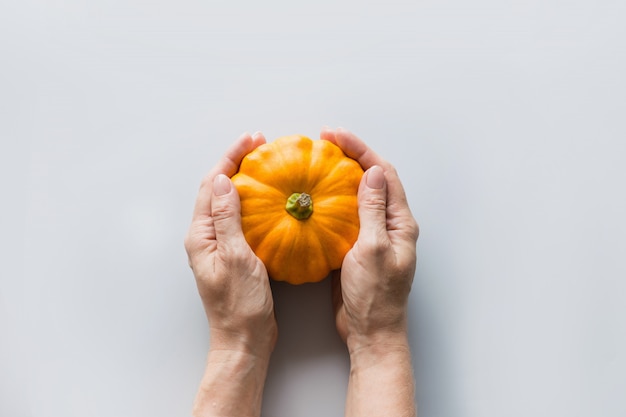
225, 209
373, 206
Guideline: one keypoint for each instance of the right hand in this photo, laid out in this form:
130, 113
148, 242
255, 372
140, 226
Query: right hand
370, 291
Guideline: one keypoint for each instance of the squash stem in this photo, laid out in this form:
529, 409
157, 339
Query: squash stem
299, 205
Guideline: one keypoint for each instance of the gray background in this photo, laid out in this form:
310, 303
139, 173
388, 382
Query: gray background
505, 120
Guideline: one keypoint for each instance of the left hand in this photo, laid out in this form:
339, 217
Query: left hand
232, 281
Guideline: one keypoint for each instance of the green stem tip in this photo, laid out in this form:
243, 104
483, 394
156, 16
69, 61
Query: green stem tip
299, 205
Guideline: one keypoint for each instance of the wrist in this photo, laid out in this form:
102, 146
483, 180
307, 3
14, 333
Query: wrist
377, 344
258, 345
236, 360
381, 377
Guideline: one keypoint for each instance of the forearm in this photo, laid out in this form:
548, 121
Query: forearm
381, 380
232, 385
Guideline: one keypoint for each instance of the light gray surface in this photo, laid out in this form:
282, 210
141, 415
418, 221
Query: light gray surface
505, 120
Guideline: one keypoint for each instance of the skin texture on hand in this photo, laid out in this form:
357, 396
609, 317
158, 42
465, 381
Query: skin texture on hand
235, 292
370, 292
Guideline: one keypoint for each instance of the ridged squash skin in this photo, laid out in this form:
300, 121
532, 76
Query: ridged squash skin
293, 250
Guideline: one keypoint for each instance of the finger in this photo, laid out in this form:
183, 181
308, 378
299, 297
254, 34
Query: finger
373, 209
399, 217
399, 213
328, 134
228, 166
400, 220
356, 149
258, 139
226, 211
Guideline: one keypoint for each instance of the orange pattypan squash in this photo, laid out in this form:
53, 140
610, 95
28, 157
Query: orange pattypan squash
299, 206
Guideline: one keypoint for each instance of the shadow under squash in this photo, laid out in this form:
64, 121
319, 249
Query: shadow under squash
310, 363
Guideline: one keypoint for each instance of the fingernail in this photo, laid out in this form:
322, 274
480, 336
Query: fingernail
221, 185
257, 134
375, 177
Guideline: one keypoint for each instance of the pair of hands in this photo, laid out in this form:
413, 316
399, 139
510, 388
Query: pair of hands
370, 292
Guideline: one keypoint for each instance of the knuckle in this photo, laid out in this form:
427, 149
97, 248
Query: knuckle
375, 246
414, 229
374, 201
191, 247
206, 182
377, 201
235, 256
407, 228
187, 242
221, 212
390, 169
